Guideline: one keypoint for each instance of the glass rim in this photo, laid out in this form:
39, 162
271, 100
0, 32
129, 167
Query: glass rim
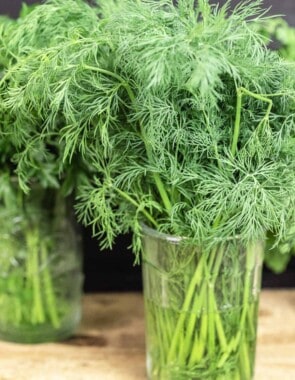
161, 235
178, 239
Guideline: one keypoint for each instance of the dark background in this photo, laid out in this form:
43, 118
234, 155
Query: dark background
282, 7
114, 270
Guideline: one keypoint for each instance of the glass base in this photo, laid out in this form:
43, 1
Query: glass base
165, 377
42, 333
175, 374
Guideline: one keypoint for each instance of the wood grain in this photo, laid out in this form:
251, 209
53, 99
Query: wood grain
110, 343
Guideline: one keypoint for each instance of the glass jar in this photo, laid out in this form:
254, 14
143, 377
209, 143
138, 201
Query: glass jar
40, 266
201, 308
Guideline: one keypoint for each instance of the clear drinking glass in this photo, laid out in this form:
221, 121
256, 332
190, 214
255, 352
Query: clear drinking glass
40, 267
201, 308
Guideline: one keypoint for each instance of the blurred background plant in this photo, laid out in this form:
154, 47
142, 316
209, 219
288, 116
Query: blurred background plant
35, 262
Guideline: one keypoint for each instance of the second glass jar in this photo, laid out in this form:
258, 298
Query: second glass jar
40, 267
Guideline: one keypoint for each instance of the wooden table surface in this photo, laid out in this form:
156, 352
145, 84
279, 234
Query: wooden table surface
110, 343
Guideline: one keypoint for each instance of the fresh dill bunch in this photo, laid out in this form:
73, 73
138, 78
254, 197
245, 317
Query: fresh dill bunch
184, 115
187, 68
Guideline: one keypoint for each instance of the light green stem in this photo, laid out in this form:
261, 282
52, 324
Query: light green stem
237, 340
38, 315
199, 345
240, 92
48, 289
134, 203
185, 350
237, 122
186, 306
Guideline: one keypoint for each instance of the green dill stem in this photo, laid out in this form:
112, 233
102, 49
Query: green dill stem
199, 303
48, 289
199, 346
251, 316
205, 297
38, 305
132, 201
34, 278
28, 275
160, 186
195, 350
158, 181
211, 321
110, 74
259, 97
219, 326
185, 349
240, 92
213, 303
215, 321
245, 364
207, 290
187, 302
235, 341
237, 122
169, 325
160, 332
165, 335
